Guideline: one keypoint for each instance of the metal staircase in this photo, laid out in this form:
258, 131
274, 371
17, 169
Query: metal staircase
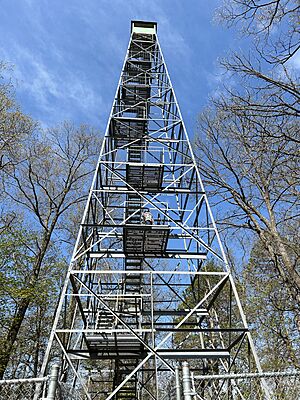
149, 284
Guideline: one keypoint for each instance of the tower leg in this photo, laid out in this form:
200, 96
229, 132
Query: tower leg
53, 382
177, 383
186, 381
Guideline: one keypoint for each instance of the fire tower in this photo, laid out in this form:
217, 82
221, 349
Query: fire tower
148, 286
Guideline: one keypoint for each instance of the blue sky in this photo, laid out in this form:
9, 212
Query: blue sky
67, 55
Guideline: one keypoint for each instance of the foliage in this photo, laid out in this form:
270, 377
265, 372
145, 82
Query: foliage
271, 312
17, 259
248, 152
15, 126
43, 173
257, 177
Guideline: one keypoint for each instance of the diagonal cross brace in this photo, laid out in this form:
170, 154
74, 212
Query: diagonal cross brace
167, 337
123, 322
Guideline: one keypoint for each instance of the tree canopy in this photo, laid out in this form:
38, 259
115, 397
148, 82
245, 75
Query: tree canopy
43, 173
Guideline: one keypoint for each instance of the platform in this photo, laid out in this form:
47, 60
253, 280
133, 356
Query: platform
144, 176
145, 240
115, 346
137, 71
133, 94
132, 348
126, 130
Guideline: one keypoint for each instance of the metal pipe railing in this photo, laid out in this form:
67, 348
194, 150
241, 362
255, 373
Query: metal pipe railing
186, 381
177, 383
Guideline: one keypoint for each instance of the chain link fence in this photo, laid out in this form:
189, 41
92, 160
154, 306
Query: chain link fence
266, 386
37, 389
263, 386
22, 389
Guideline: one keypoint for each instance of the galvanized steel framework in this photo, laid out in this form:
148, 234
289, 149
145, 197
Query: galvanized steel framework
149, 283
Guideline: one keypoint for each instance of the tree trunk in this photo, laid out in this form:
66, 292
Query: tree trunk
12, 334
15, 326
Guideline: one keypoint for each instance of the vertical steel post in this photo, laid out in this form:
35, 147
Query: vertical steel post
53, 382
177, 383
186, 381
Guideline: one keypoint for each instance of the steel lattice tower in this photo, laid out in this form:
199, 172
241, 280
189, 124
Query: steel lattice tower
148, 285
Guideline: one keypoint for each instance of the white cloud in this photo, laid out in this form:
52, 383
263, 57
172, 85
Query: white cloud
49, 90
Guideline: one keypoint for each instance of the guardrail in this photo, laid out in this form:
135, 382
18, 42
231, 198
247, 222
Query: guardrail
46, 388
252, 386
